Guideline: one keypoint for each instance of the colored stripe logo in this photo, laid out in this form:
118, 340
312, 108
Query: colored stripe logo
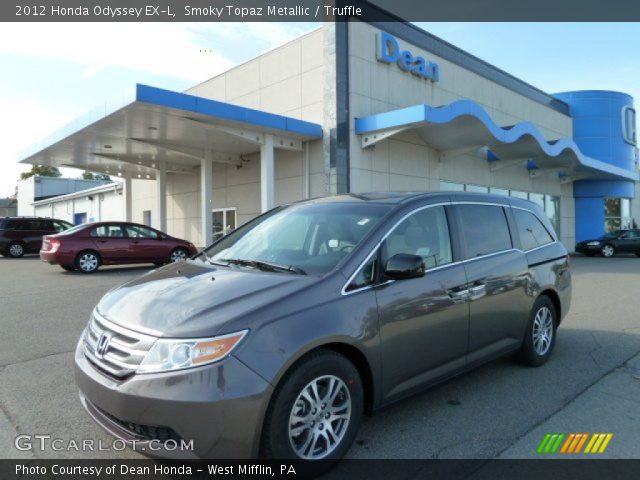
573, 443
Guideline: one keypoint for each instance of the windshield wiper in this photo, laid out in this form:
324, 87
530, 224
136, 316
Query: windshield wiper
266, 266
210, 260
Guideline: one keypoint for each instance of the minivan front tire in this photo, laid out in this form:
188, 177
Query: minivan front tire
540, 337
15, 250
316, 410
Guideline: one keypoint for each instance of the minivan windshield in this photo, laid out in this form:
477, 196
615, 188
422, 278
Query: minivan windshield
305, 239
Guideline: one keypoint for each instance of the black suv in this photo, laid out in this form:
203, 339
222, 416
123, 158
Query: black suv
20, 235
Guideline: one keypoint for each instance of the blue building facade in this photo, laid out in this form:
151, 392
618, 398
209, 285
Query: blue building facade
604, 129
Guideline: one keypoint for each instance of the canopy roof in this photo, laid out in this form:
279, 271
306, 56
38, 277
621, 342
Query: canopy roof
153, 125
464, 125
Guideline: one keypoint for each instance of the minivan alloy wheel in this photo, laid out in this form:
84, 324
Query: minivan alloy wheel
542, 331
88, 262
320, 417
16, 250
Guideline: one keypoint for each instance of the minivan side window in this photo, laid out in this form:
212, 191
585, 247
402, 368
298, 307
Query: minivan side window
531, 230
366, 275
424, 233
484, 229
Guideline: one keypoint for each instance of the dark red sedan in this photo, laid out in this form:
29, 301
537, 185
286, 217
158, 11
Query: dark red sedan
86, 247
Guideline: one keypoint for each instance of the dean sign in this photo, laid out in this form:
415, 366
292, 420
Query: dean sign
389, 52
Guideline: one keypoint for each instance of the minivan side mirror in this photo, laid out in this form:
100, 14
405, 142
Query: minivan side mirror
404, 265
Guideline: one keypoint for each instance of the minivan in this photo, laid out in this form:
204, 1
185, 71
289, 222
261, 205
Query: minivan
20, 235
273, 341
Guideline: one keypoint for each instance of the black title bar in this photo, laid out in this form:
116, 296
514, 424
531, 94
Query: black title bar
317, 10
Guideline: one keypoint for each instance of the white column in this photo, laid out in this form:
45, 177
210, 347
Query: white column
160, 219
206, 194
267, 182
126, 191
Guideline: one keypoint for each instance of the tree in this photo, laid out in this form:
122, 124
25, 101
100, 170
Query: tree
87, 175
41, 171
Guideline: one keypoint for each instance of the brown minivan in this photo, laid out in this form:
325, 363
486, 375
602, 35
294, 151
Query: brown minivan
274, 340
20, 235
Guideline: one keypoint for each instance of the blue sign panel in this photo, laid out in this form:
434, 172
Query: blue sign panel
389, 52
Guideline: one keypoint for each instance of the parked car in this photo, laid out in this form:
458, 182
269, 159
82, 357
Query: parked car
20, 235
88, 246
274, 340
617, 241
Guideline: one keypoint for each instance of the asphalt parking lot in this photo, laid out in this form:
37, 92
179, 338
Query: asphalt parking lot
592, 382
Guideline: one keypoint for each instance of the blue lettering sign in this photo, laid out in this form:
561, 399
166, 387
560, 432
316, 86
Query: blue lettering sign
389, 52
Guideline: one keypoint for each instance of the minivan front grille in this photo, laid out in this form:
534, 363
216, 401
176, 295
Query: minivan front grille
122, 350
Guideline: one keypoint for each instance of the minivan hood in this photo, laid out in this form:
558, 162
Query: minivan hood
191, 299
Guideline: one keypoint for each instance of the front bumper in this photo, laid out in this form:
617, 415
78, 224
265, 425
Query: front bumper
220, 407
588, 249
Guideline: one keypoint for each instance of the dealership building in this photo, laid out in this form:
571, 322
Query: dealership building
350, 108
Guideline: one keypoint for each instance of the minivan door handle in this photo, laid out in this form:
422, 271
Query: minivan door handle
477, 291
458, 293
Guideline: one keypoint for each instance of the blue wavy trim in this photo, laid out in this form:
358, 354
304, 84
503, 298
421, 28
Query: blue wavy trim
419, 115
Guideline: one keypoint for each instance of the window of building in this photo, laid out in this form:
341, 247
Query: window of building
519, 194
452, 186
629, 125
484, 229
425, 233
537, 198
552, 209
224, 221
531, 230
617, 213
476, 188
146, 217
499, 191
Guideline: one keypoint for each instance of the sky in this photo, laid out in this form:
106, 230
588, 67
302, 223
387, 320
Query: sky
52, 73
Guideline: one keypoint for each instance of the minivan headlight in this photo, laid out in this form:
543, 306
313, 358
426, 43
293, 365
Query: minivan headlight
175, 354
593, 244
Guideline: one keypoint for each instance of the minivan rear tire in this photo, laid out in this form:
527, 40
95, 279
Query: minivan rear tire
323, 366
543, 318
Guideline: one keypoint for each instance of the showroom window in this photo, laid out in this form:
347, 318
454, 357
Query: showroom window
617, 213
629, 125
499, 191
477, 188
452, 186
484, 229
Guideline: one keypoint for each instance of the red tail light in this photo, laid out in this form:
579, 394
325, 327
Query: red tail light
55, 244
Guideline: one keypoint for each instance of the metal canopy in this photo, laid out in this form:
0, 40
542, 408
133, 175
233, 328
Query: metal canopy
464, 125
157, 126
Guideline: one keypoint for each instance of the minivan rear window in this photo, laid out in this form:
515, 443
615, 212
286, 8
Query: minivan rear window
484, 229
531, 230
